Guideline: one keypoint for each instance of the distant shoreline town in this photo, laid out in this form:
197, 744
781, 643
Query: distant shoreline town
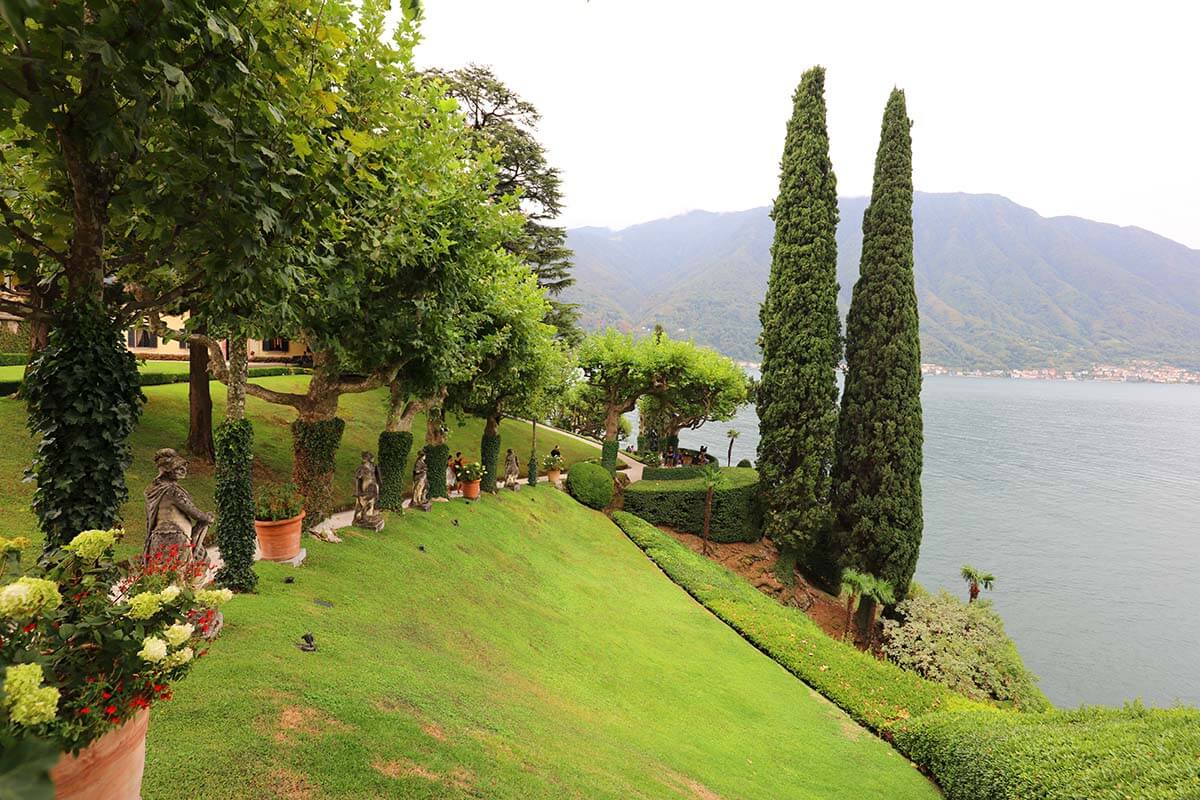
1134, 372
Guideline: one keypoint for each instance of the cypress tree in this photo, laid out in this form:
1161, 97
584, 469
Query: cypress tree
877, 494
801, 335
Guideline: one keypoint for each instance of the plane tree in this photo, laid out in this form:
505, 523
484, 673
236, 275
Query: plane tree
712, 388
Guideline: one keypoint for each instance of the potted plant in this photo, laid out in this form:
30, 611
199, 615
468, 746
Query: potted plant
88, 646
553, 465
278, 520
469, 477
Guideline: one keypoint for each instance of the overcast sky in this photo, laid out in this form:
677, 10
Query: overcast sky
656, 107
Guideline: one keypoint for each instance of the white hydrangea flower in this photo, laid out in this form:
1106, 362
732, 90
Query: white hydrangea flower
178, 658
179, 633
153, 649
168, 594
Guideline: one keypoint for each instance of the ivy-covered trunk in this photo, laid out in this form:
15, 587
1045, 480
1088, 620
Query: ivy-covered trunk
394, 448
531, 471
612, 429
84, 400
489, 452
234, 446
314, 456
437, 454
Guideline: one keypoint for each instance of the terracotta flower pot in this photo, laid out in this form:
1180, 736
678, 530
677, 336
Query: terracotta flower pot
279, 540
470, 489
110, 768
553, 475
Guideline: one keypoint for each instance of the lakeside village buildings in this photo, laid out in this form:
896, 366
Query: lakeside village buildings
1134, 372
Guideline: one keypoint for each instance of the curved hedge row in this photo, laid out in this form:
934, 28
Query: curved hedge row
973, 750
679, 503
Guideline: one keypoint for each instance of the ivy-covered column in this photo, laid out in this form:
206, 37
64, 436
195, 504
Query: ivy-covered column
233, 442
437, 453
314, 454
394, 447
84, 400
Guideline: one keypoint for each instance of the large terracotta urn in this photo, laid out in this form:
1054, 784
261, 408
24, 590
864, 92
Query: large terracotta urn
279, 540
110, 768
553, 475
470, 489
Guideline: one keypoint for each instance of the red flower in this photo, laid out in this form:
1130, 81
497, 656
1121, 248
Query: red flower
30, 627
85, 710
107, 695
110, 710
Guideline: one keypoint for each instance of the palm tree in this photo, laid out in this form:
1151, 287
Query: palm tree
732, 434
711, 475
854, 584
881, 593
975, 579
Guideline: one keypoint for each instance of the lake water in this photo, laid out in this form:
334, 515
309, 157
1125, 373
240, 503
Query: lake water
1084, 499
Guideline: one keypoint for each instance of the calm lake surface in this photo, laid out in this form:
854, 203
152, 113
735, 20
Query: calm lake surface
1084, 499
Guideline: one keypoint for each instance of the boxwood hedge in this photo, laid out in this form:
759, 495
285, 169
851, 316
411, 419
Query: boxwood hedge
973, 750
590, 484
679, 503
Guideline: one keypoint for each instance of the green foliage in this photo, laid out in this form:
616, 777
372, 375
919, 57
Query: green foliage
531, 470
25, 766
551, 461
801, 334
162, 378
651, 459
278, 501
711, 387
679, 504
13, 359
877, 492
233, 443
1093, 753
608, 454
686, 473
489, 451
745, 463
314, 448
436, 458
962, 646
472, 471
590, 484
876, 693
394, 447
84, 402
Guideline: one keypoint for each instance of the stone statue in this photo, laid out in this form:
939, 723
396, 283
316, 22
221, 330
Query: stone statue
172, 518
512, 471
366, 495
420, 490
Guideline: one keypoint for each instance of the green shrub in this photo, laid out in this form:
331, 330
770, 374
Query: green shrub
531, 470
650, 459
875, 693
437, 456
551, 461
13, 359
1093, 753
489, 452
233, 441
314, 453
736, 514
84, 402
962, 646
672, 473
745, 464
608, 455
590, 484
473, 471
394, 447
277, 501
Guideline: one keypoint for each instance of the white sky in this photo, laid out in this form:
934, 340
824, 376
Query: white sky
655, 107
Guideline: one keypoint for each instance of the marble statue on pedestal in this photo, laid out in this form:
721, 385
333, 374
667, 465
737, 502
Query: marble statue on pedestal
175, 527
366, 495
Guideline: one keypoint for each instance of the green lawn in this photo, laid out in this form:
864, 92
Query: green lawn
17, 372
529, 651
164, 424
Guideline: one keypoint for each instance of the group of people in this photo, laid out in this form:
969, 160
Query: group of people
677, 458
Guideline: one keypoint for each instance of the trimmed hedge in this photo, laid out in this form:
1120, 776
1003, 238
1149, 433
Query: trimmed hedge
437, 456
973, 750
608, 455
679, 503
745, 462
164, 378
489, 456
590, 484
233, 441
875, 693
314, 456
394, 447
14, 359
1094, 753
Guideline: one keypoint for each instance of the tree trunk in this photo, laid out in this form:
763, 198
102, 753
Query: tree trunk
974, 593
200, 434
865, 620
849, 615
235, 391
729, 456
708, 498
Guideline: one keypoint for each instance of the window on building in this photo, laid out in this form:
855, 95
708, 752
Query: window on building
140, 337
276, 345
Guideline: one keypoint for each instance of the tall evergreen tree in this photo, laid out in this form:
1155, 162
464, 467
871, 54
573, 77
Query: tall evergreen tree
801, 334
877, 495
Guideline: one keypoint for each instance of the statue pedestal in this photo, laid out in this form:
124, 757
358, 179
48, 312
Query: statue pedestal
375, 525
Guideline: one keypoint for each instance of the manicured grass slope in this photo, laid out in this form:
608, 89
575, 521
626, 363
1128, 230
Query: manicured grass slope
164, 424
529, 651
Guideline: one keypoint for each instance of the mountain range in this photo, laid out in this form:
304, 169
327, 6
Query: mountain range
998, 285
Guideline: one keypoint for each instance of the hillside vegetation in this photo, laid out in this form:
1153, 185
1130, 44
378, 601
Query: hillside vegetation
998, 285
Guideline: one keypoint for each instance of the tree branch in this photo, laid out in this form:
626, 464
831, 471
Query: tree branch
12, 222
